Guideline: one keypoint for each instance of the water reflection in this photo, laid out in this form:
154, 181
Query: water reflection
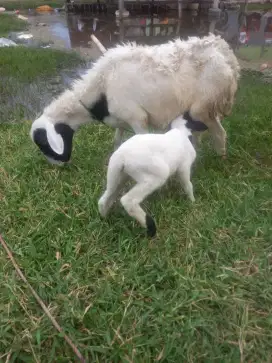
239, 28
249, 34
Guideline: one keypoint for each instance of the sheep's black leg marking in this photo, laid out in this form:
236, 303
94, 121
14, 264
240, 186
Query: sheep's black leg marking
150, 225
99, 110
66, 132
194, 125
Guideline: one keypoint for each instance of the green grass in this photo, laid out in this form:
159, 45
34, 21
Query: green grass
30, 4
10, 23
200, 292
259, 7
27, 64
255, 53
25, 75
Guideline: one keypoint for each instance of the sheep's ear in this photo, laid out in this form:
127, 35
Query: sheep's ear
55, 140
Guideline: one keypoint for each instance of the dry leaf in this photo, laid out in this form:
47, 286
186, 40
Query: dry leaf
159, 357
64, 267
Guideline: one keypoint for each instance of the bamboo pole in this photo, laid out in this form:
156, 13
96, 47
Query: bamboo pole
39, 300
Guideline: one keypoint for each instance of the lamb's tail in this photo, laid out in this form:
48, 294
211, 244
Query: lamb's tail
115, 173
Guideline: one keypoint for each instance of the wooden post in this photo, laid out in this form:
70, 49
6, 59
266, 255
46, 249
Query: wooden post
215, 4
212, 25
179, 9
121, 8
121, 30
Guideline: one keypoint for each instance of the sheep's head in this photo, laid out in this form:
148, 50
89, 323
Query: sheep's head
54, 140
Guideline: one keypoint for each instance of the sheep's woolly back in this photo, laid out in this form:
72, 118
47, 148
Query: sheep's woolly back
164, 81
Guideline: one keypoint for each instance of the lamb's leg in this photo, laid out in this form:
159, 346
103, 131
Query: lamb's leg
118, 137
115, 181
131, 202
184, 175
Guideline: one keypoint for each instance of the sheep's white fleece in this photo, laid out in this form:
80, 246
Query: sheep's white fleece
152, 85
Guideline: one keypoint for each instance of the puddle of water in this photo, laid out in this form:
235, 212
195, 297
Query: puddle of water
74, 30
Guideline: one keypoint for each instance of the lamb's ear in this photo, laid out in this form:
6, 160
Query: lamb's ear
55, 140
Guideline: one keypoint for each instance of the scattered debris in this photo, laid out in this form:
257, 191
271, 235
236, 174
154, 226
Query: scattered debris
265, 66
44, 8
57, 10
125, 13
25, 36
22, 17
41, 24
4, 42
27, 39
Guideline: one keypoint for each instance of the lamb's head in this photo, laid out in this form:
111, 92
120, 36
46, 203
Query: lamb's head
188, 125
53, 139
194, 125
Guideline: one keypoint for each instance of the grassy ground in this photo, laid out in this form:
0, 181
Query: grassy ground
26, 72
30, 4
10, 23
26, 75
259, 7
15, 62
255, 53
200, 292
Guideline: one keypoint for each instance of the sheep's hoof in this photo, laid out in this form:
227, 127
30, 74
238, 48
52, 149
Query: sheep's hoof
151, 226
224, 157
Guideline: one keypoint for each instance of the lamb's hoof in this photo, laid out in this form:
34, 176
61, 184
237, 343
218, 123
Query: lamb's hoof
101, 209
150, 226
224, 157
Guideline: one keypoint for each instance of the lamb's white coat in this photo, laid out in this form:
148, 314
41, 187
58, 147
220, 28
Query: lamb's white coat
152, 85
149, 160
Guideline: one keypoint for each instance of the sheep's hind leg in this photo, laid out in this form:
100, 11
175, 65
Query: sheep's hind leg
131, 202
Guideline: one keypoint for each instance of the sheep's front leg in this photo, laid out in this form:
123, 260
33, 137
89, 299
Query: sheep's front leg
219, 136
196, 139
216, 130
118, 137
131, 114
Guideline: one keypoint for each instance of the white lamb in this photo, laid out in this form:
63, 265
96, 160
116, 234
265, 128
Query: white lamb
138, 87
149, 160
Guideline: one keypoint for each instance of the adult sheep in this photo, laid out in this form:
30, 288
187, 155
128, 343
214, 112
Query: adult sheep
140, 86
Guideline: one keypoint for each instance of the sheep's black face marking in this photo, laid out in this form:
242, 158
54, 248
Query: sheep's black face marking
66, 132
150, 225
194, 125
100, 109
